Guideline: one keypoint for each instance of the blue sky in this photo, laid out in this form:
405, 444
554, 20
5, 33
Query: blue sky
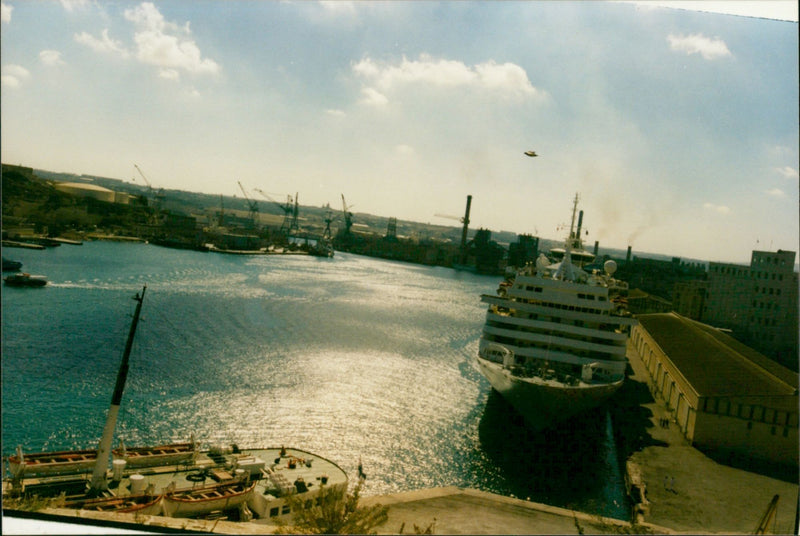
678, 127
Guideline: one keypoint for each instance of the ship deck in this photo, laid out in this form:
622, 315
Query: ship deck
277, 472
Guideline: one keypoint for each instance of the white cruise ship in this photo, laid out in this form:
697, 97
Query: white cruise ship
554, 340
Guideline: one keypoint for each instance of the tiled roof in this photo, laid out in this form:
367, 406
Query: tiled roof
715, 363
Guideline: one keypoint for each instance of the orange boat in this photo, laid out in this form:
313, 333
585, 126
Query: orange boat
200, 501
146, 504
172, 454
52, 463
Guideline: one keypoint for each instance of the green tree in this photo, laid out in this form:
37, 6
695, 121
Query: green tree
334, 511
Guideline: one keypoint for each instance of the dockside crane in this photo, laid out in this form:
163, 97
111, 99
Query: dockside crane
291, 212
159, 195
348, 216
252, 207
464, 229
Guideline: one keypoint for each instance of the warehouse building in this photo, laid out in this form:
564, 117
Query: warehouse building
727, 399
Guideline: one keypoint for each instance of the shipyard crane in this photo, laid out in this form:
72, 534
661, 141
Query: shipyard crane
159, 196
252, 207
348, 216
464, 229
291, 212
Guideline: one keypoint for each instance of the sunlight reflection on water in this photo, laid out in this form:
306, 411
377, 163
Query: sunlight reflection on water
349, 358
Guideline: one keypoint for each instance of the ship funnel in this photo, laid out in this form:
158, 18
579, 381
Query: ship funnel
596, 247
580, 224
628, 256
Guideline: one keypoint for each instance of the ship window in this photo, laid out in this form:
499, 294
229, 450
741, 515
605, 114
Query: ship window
749, 425
538, 289
785, 432
273, 512
286, 509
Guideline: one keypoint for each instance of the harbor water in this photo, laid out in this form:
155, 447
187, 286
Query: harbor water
353, 358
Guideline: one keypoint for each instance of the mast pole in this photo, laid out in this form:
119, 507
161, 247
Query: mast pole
98, 482
565, 270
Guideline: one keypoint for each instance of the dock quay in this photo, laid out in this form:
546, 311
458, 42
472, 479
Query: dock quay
445, 510
688, 491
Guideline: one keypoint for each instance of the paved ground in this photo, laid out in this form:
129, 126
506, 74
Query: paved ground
690, 492
453, 510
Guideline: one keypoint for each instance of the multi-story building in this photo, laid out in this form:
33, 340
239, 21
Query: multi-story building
759, 303
689, 298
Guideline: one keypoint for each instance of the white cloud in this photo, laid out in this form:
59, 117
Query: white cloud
169, 74
506, 77
776, 192
5, 12
71, 5
105, 44
373, 97
157, 43
404, 149
51, 57
13, 75
335, 113
789, 172
710, 49
338, 7
721, 209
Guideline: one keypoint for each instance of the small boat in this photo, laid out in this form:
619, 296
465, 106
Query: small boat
41, 241
11, 266
145, 504
52, 463
59, 240
204, 500
23, 279
172, 454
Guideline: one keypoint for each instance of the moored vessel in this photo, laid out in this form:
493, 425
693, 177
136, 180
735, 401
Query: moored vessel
23, 279
175, 479
554, 340
11, 265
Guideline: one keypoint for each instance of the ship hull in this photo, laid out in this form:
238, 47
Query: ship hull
545, 404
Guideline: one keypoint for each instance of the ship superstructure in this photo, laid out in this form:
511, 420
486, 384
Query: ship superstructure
555, 335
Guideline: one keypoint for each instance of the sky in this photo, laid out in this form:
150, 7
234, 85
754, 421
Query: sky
677, 126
